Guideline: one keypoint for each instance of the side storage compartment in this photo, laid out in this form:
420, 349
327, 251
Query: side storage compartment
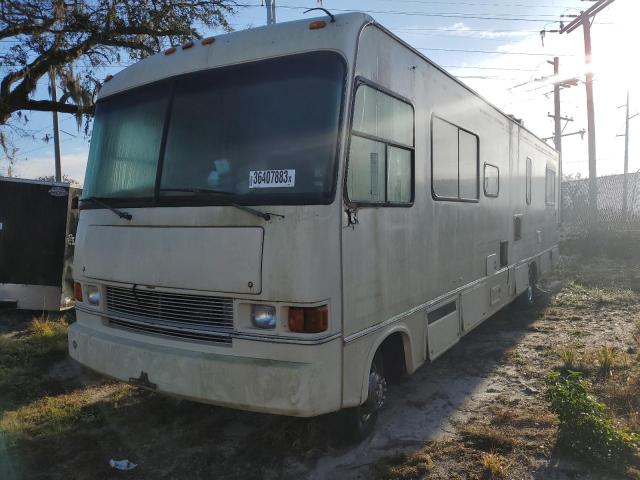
443, 327
522, 278
475, 305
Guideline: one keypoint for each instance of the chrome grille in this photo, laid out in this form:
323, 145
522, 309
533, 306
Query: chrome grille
185, 316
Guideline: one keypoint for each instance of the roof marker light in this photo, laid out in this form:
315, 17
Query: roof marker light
318, 24
169, 51
189, 44
208, 40
107, 78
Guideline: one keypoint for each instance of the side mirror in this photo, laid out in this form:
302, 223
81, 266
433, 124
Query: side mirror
75, 202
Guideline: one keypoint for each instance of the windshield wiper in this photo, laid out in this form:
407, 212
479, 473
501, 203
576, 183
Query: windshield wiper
224, 197
120, 213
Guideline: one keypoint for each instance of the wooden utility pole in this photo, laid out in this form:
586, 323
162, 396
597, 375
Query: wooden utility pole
271, 11
625, 180
56, 133
557, 129
584, 20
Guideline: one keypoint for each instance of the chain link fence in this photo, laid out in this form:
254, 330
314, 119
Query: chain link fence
612, 214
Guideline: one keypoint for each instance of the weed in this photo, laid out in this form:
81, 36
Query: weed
494, 465
569, 356
405, 467
584, 427
606, 358
44, 327
636, 333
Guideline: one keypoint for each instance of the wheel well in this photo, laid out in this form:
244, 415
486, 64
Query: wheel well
393, 356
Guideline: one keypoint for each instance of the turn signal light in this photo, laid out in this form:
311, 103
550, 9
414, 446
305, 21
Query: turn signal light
77, 291
317, 25
308, 320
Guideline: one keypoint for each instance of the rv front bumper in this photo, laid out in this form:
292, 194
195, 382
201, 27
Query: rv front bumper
286, 379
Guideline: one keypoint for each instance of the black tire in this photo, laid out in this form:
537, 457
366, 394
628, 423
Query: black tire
360, 421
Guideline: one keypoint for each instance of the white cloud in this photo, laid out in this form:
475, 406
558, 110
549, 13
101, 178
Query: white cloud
73, 165
615, 69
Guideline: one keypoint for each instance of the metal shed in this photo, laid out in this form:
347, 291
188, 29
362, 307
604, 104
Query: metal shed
37, 234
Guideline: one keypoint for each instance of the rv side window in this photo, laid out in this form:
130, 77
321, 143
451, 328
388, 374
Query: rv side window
381, 154
550, 187
491, 180
528, 186
454, 162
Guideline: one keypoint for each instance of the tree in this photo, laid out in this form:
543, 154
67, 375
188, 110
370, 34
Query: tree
76, 38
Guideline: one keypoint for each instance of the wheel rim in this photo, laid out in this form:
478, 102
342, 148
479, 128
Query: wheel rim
530, 294
377, 394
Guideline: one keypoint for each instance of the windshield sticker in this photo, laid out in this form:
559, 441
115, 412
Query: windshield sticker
272, 178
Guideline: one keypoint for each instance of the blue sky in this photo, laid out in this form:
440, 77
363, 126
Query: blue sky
506, 72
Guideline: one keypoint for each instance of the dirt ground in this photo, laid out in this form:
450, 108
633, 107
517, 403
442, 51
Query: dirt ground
477, 412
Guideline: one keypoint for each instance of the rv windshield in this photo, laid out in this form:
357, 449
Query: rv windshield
265, 132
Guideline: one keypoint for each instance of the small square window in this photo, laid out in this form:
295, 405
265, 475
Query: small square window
491, 180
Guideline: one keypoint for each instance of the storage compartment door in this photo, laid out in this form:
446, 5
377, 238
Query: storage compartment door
443, 328
475, 305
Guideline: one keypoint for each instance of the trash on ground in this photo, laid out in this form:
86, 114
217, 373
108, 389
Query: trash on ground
122, 464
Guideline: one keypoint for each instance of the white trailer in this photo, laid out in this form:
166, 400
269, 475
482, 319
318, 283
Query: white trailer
282, 218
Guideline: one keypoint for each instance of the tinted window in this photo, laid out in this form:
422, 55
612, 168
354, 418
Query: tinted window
491, 180
278, 115
125, 143
550, 187
365, 181
380, 115
529, 168
445, 159
454, 162
381, 153
468, 165
275, 120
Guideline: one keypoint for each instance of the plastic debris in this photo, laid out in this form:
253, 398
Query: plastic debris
122, 464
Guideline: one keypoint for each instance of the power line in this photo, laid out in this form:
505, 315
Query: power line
492, 52
526, 5
427, 14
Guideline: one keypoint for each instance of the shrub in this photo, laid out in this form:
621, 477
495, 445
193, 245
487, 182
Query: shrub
585, 428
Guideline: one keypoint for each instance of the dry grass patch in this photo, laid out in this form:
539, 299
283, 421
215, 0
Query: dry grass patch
568, 355
494, 465
43, 326
52, 415
405, 467
579, 296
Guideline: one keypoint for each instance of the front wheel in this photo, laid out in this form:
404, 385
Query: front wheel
361, 420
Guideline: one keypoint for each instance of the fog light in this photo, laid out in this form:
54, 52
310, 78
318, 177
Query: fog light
263, 316
93, 295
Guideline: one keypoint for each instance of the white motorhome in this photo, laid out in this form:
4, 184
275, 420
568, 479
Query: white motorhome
282, 218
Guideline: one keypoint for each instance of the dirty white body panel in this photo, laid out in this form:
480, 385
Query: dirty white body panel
429, 272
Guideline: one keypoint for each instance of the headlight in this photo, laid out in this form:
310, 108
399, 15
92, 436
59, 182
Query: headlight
263, 316
93, 295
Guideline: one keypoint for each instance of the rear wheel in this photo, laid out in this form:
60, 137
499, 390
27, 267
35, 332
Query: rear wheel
528, 297
361, 420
